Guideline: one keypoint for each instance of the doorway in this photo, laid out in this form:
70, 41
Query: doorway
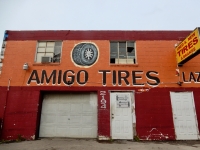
184, 116
122, 115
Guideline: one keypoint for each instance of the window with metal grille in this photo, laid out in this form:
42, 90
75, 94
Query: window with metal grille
122, 52
48, 51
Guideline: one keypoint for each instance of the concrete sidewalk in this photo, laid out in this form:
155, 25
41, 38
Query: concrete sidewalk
91, 144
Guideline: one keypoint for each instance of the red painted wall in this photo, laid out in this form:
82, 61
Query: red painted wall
153, 111
3, 97
154, 115
96, 35
103, 113
20, 113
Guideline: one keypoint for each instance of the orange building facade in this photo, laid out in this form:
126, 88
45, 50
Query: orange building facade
98, 84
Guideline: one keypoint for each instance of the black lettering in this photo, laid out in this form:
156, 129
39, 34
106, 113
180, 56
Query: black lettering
198, 78
183, 75
104, 75
31, 78
124, 78
44, 76
192, 77
68, 82
134, 77
114, 77
153, 78
79, 74
59, 76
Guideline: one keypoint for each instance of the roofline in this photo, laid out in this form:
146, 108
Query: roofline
12, 35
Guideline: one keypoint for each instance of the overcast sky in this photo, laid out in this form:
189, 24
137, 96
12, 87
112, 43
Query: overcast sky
99, 15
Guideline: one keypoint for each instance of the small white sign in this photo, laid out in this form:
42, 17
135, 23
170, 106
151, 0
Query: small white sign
122, 101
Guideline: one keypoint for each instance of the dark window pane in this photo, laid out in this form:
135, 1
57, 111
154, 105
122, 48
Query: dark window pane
113, 49
112, 60
130, 49
57, 50
130, 44
122, 50
58, 43
56, 58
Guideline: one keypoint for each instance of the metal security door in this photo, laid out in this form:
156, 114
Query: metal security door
184, 115
121, 117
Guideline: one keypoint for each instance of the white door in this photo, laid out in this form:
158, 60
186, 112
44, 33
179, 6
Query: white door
184, 115
121, 116
69, 115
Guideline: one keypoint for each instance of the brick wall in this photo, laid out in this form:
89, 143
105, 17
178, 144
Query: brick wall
156, 56
153, 109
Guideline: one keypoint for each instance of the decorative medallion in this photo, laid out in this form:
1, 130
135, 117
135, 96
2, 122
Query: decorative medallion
85, 54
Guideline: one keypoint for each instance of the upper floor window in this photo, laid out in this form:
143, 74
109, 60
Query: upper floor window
122, 52
48, 51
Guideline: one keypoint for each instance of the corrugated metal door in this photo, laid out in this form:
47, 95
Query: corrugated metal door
184, 116
69, 115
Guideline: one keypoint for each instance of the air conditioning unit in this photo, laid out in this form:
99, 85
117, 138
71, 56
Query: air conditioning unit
46, 59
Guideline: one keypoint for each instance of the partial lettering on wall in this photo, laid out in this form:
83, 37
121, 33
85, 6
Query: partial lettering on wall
103, 100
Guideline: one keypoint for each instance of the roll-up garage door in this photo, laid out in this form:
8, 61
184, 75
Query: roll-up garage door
69, 115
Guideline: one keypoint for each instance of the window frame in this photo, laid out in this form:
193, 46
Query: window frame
134, 59
37, 46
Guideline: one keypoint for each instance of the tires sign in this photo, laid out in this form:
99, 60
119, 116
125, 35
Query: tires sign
188, 48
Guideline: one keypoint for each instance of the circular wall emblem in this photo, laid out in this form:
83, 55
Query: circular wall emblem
85, 54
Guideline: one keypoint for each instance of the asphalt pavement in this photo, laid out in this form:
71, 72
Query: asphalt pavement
93, 144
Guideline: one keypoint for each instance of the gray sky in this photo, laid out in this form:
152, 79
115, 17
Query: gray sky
99, 15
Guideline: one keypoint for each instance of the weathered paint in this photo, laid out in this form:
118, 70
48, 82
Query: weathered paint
21, 103
153, 111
